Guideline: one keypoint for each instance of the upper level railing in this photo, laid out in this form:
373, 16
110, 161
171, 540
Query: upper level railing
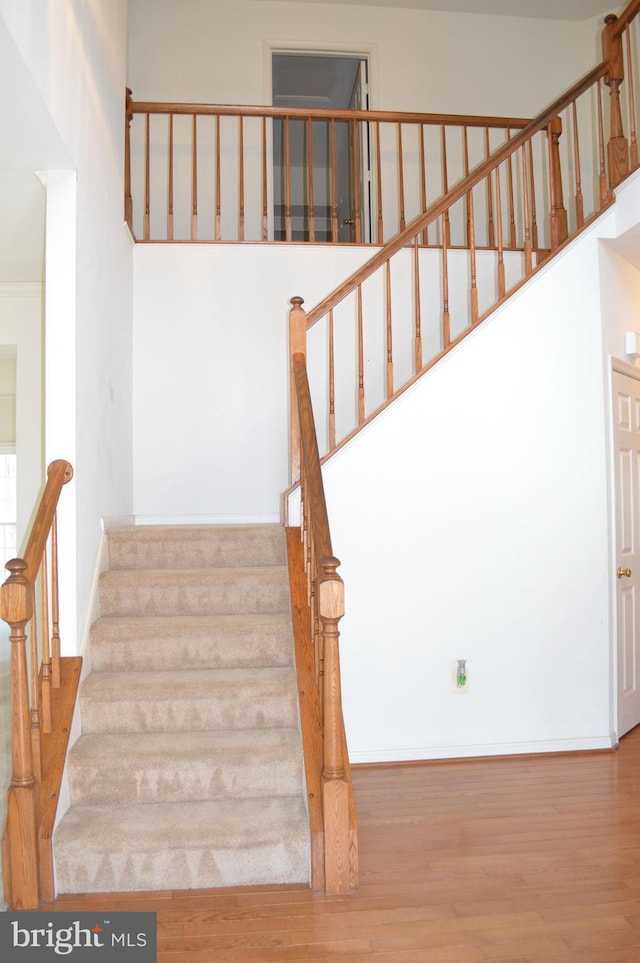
29, 605
411, 303
200, 172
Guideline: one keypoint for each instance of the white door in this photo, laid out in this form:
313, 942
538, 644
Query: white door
626, 436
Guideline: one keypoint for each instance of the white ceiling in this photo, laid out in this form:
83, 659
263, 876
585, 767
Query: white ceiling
545, 9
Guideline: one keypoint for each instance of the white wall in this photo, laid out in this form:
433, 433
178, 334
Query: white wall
216, 51
75, 53
210, 340
21, 326
472, 522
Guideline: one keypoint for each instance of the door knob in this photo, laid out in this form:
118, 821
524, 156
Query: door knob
349, 220
623, 572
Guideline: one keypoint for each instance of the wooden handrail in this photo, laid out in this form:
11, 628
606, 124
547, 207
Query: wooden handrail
309, 448
24, 850
518, 188
463, 187
326, 593
59, 474
627, 15
301, 210
326, 113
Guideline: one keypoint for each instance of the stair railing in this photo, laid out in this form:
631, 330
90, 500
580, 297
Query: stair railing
29, 604
325, 592
208, 172
409, 305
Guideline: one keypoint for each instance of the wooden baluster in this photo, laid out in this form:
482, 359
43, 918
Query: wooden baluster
446, 317
22, 828
316, 634
357, 225
297, 345
335, 788
241, 179
465, 154
170, 185
218, 183
36, 700
194, 178
46, 647
446, 231
633, 142
403, 222
287, 181
360, 359
312, 213
513, 239
577, 167
389, 327
558, 218
528, 252
617, 148
334, 189
55, 606
423, 184
501, 274
265, 202
147, 181
417, 307
128, 199
332, 386
490, 224
532, 184
602, 173
472, 259
380, 237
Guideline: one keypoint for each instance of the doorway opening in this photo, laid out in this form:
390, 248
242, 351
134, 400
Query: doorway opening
321, 182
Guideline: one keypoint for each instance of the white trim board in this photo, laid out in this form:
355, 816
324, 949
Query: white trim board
420, 754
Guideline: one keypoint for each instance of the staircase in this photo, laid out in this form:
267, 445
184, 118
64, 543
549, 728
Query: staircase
189, 770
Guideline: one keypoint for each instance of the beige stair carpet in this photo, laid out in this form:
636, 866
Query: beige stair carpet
189, 770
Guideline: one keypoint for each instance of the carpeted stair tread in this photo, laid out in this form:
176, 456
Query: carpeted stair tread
196, 546
197, 641
178, 845
189, 772
216, 591
164, 767
189, 699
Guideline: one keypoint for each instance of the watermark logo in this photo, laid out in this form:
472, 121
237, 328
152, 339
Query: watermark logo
79, 937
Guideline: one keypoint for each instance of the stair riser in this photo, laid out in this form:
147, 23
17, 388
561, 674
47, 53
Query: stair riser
142, 648
182, 845
122, 871
247, 709
183, 779
206, 593
209, 547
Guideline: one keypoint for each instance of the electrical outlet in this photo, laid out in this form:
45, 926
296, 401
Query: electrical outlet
460, 677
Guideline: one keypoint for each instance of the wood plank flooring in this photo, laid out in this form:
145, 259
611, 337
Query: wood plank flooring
516, 860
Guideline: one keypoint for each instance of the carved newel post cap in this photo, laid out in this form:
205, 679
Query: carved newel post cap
610, 18
297, 301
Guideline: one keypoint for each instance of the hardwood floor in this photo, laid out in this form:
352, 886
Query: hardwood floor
517, 860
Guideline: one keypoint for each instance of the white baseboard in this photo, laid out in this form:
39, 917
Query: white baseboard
418, 754
207, 519
117, 521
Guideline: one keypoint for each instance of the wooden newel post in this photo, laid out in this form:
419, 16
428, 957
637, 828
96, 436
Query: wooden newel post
558, 217
297, 345
335, 789
16, 608
128, 200
617, 148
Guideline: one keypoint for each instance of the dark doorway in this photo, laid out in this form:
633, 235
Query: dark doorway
320, 170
